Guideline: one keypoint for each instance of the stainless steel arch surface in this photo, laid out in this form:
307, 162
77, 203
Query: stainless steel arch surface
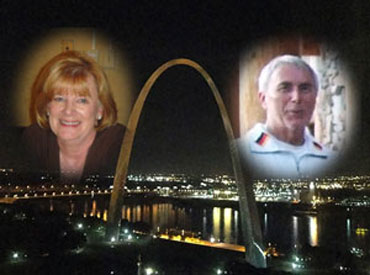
250, 222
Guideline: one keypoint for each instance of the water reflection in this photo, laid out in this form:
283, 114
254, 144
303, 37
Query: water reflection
236, 225
72, 208
93, 209
216, 222
348, 228
280, 224
227, 224
295, 231
313, 234
204, 222
265, 223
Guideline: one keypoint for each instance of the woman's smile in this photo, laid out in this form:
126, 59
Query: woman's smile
72, 117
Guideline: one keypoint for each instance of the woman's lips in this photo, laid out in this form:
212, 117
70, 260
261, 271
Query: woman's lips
69, 123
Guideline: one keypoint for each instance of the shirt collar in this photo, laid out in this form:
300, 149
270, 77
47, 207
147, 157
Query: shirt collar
262, 141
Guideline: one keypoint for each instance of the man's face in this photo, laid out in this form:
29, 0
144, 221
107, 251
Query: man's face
290, 98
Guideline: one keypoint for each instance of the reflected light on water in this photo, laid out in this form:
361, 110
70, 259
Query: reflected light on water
93, 209
348, 227
204, 223
295, 231
313, 230
146, 214
128, 213
216, 222
105, 215
72, 209
236, 223
227, 224
265, 223
138, 213
86, 208
155, 215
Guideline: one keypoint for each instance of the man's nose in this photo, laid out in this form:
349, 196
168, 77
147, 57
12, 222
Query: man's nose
296, 95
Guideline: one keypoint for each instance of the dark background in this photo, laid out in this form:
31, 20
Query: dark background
180, 130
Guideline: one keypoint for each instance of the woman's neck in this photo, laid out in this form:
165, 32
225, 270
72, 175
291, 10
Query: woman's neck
72, 157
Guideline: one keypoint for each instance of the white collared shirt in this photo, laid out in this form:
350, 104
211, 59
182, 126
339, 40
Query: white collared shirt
269, 157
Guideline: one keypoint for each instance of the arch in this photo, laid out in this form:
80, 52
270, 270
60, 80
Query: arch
250, 222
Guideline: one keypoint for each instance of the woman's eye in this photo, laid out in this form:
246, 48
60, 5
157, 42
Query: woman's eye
82, 100
58, 98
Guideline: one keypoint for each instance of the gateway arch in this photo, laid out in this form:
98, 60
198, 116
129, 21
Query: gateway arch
250, 222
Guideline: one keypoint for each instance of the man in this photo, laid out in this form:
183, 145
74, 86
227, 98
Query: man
283, 146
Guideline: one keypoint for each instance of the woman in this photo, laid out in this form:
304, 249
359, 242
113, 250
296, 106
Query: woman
73, 114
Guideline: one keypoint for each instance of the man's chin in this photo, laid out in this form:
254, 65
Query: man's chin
297, 127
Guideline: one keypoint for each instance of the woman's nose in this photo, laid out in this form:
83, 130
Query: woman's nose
68, 107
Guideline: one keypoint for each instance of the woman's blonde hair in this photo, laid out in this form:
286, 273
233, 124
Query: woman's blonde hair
68, 72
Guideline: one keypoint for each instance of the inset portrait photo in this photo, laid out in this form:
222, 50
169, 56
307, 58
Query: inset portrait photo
297, 108
73, 97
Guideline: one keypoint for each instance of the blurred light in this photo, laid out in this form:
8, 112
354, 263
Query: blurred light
149, 271
113, 239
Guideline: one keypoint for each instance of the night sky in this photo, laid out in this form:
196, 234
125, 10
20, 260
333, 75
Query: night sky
180, 129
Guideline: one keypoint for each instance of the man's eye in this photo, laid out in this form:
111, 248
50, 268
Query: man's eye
306, 88
283, 88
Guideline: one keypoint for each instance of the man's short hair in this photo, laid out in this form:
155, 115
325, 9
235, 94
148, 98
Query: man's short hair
269, 68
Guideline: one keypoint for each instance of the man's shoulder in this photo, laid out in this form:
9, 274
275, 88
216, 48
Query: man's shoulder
253, 134
316, 147
258, 139
256, 131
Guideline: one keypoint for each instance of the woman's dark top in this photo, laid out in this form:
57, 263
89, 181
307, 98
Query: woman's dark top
43, 151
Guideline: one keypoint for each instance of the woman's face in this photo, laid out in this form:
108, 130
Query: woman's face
72, 117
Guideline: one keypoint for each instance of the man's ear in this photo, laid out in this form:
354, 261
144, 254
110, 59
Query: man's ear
262, 98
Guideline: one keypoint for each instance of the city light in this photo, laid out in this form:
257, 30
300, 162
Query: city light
150, 271
299, 194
